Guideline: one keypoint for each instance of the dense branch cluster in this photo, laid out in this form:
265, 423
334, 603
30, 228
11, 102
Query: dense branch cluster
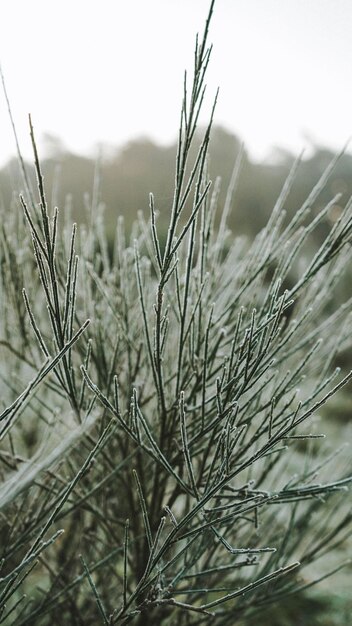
162, 463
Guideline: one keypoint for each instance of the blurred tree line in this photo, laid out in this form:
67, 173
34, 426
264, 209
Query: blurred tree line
123, 178
128, 175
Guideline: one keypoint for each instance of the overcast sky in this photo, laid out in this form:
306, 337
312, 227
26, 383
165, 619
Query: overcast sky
107, 71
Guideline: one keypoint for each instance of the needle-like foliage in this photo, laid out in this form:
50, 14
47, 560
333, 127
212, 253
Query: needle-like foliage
159, 452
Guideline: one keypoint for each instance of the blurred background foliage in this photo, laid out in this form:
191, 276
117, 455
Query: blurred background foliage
129, 173
122, 178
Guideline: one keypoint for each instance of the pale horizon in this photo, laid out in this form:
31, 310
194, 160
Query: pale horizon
109, 72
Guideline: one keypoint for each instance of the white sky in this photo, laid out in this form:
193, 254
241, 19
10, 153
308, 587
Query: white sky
111, 70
